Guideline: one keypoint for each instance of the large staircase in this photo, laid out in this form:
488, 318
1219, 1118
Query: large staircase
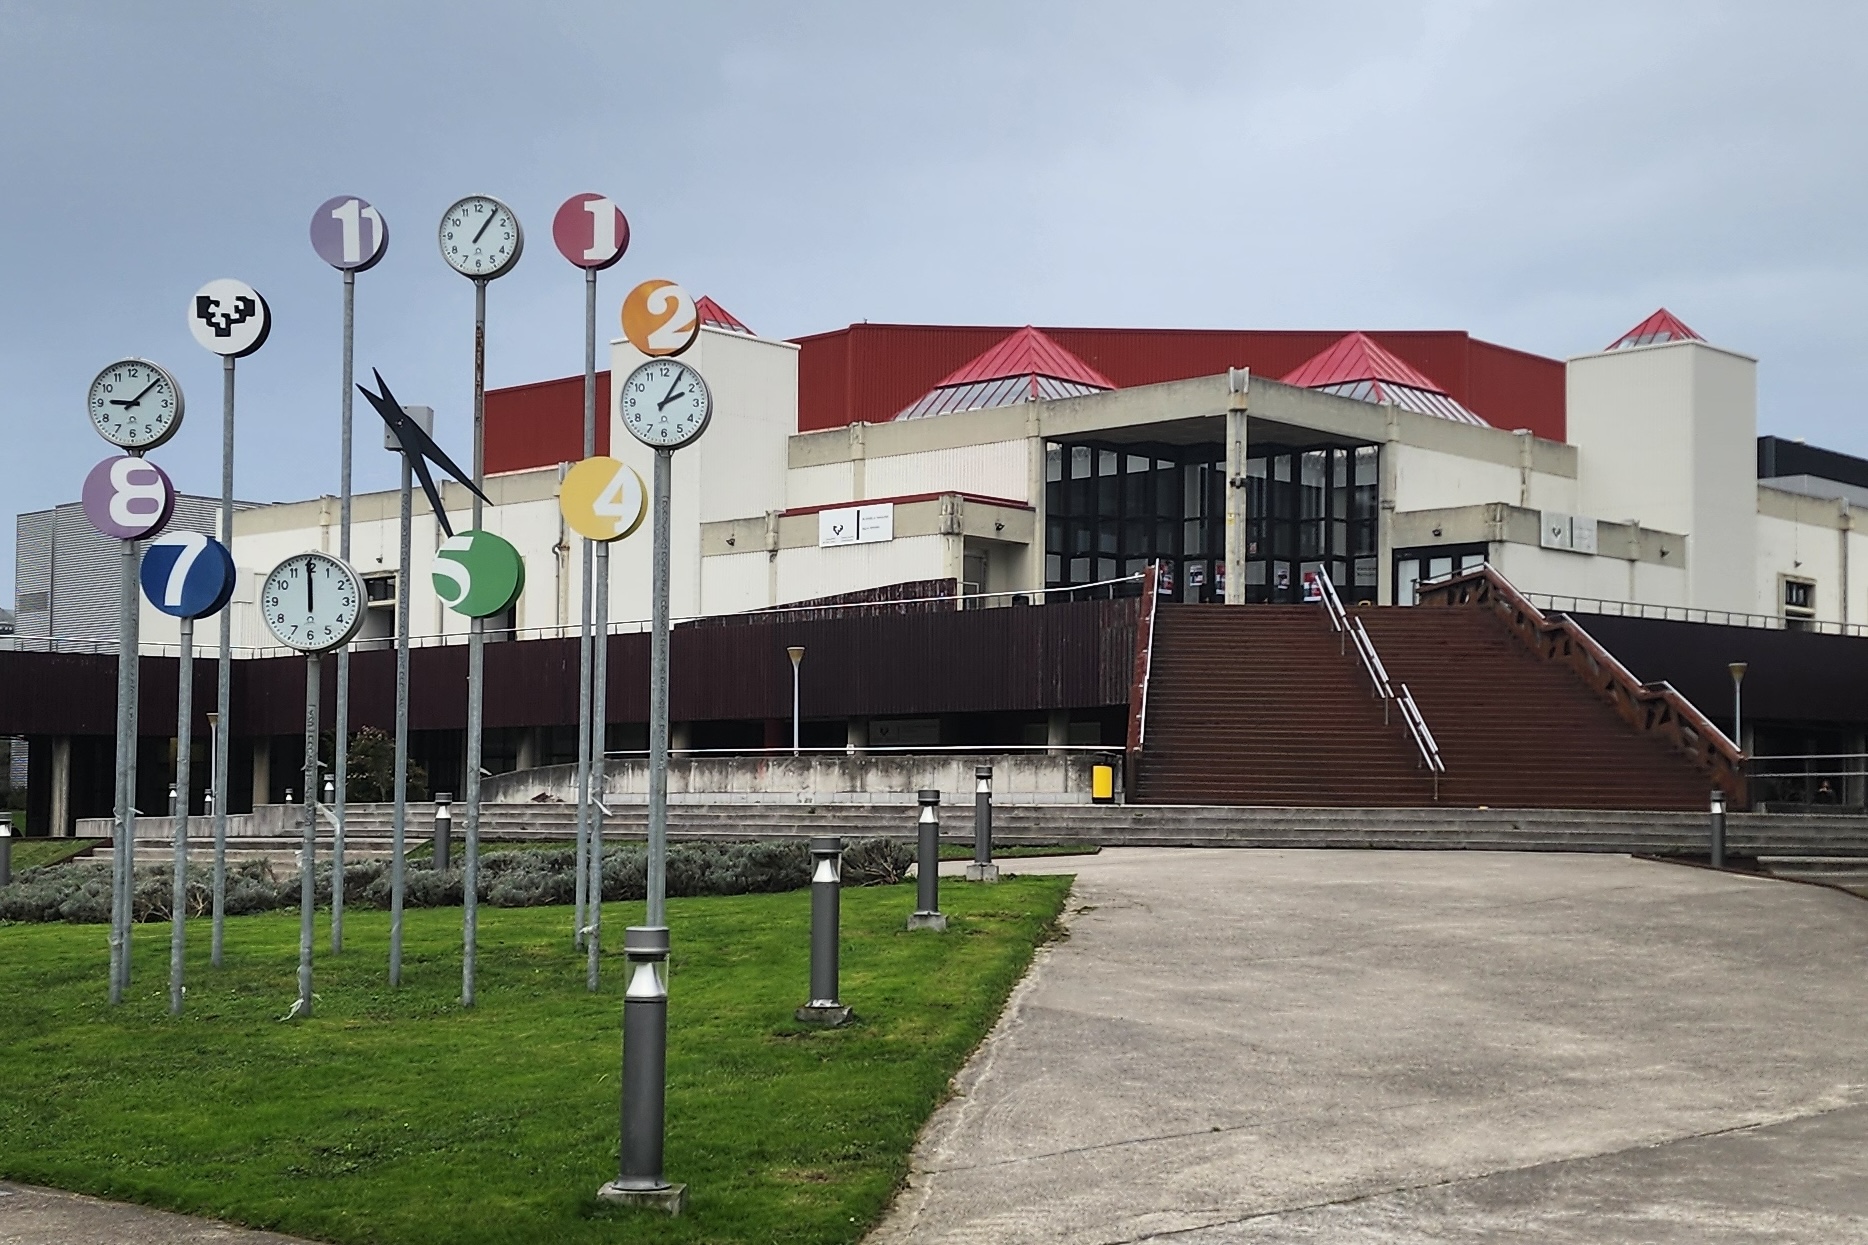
1266, 705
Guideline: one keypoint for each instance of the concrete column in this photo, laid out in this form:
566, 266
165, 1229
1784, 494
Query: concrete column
1386, 474
62, 825
1235, 495
1036, 495
856, 735
262, 771
1057, 730
680, 738
1845, 522
531, 745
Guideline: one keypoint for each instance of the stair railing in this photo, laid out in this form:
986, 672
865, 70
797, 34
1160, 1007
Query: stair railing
1144, 666
1354, 632
1655, 708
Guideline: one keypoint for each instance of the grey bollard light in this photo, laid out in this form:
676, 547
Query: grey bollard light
982, 869
1718, 829
927, 913
6, 849
444, 824
639, 1180
824, 1007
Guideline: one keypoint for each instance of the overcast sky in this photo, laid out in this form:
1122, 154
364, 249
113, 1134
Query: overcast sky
1542, 175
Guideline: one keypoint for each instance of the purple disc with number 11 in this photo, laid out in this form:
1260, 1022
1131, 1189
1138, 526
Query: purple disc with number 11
128, 498
349, 234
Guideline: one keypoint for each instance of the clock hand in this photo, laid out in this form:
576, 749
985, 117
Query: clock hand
483, 226
662, 405
137, 400
309, 607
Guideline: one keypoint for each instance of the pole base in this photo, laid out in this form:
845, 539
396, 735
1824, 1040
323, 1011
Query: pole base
672, 1198
927, 920
982, 873
824, 1015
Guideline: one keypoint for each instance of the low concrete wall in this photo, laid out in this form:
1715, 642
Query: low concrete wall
1017, 778
270, 821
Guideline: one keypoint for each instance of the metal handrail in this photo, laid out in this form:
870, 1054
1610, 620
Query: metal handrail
1565, 603
1411, 716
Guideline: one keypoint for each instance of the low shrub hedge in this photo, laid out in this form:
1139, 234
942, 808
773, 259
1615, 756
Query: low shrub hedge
79, 891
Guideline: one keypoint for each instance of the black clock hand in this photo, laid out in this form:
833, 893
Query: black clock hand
483, 227
310, 609
138, 399
663, 404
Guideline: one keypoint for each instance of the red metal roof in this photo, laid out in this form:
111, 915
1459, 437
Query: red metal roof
1028, 352
1662, 326
541, 424
713, 314
1356, 356
868, 372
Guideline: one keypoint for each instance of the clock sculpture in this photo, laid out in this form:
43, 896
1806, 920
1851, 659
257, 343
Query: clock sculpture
313, 602
135, 405
480, 237
666, 404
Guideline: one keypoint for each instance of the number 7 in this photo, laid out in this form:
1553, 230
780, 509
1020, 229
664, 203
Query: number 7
189, 547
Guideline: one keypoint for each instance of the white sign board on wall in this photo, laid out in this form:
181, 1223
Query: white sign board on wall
856, 525
1574, 532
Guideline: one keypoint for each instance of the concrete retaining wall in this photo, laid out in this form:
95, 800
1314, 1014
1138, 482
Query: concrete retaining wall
869, 778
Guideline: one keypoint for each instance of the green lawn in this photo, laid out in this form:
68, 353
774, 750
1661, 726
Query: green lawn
398, 1116
37, 853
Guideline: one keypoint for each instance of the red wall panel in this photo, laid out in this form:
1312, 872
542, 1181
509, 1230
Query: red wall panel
542, 424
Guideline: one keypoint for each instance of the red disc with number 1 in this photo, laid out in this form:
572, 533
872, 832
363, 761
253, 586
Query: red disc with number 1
591, 231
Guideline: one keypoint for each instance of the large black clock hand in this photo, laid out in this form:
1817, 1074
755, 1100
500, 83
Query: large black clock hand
672, 393
484, 224
310, 609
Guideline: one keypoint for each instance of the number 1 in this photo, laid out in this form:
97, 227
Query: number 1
602, 228
351, 215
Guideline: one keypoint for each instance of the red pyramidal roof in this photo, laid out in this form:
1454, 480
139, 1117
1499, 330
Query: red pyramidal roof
1027, 352
716, 316
1662, 326
1353, 357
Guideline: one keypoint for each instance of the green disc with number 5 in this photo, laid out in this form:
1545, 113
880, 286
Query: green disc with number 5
478, 574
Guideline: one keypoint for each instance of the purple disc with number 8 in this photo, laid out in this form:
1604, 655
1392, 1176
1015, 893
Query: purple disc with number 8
349, 234
129, 498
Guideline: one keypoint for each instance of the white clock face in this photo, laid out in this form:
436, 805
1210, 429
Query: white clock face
312, 602
480, 237
666, 404
135, 404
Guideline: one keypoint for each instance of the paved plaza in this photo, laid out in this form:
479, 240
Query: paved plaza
1409, 1046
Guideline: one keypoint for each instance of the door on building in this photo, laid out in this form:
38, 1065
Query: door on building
1413, 566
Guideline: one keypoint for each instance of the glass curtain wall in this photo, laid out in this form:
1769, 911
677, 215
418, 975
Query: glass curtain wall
1111, 510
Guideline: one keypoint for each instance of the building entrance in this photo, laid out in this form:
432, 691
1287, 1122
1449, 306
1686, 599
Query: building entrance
1110, 510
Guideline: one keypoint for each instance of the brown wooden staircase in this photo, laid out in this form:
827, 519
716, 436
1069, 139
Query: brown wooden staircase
1269, 705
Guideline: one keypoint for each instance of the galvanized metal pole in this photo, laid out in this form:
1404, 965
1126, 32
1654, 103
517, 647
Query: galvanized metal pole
645, 994
184, 757
600, 769
658, 694
123, 846
927, 913
308, 865
825, 1007
476, 674
223, 689
584, 746
340, 789
399, 817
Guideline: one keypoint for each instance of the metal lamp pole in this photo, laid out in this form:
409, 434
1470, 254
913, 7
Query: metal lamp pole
1738, 669
223, 681
184, 756
400, 814
476, 673
123, 848
797, 659
307, 873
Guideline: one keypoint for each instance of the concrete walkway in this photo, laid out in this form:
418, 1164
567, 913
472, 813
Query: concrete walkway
1238, 1046
31, 1216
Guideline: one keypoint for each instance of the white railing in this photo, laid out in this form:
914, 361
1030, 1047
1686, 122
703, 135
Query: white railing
1352, 629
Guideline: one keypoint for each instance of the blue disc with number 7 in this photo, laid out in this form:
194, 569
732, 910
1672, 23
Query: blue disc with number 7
187, 574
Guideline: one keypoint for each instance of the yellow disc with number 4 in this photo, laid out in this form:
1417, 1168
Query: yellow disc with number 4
603, 499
